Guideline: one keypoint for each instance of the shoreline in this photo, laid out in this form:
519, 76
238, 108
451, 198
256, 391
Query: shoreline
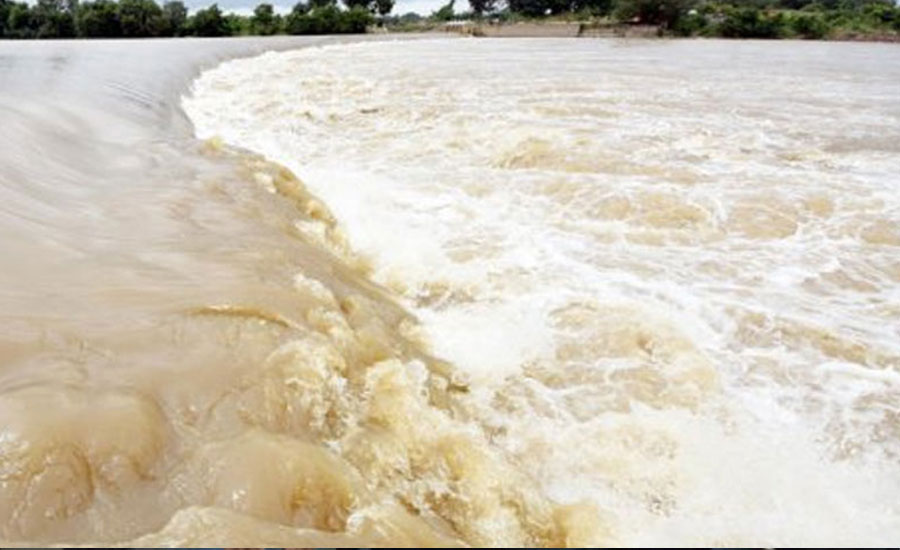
574, 29
467, 28
530, 29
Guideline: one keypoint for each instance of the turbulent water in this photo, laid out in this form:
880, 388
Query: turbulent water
520, 292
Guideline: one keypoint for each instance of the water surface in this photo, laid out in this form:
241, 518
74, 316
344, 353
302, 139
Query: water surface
669, 268
520, 292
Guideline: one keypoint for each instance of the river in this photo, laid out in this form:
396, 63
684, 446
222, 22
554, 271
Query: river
511, 292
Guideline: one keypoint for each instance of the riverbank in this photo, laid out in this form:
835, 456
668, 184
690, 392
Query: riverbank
605, 29
868, 20
549, 29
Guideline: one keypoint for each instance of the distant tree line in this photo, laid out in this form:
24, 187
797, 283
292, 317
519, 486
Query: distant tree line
146, 18
725, 18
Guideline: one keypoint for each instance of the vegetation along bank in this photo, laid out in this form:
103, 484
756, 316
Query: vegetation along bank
807, 19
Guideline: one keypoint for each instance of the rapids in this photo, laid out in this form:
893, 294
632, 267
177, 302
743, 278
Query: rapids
669, 269
514, 292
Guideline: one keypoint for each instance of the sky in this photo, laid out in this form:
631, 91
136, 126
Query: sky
423, 7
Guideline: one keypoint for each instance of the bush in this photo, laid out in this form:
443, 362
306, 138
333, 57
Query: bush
209, 22
173, 19
691, 24
355, 21
751, 23
139, 18
5, 6
264, 20
809, 25
52, 19
19, 21
235, 25
882, 13
383, 7
327, 19
98, 19
664, 13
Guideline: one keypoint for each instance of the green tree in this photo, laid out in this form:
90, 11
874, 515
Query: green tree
321, 3
52, 19
173, 19
445, 13
384, 7
880, 12
300, 8
809, 25
19, 21
357, 4
235, 25
354, 21
209, 22
264, 20
326, 19
139, 18
750, 23
98, 19
296, 22
5, 6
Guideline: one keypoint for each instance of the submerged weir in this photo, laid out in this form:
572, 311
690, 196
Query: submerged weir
519, 292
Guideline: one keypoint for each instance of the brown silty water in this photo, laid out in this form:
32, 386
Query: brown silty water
523, 292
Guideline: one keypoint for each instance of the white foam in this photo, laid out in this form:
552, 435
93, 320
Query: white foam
621, 245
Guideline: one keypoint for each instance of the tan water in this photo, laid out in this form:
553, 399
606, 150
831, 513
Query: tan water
529, 292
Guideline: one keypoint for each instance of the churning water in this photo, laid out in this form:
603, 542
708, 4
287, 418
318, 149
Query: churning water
524, 292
